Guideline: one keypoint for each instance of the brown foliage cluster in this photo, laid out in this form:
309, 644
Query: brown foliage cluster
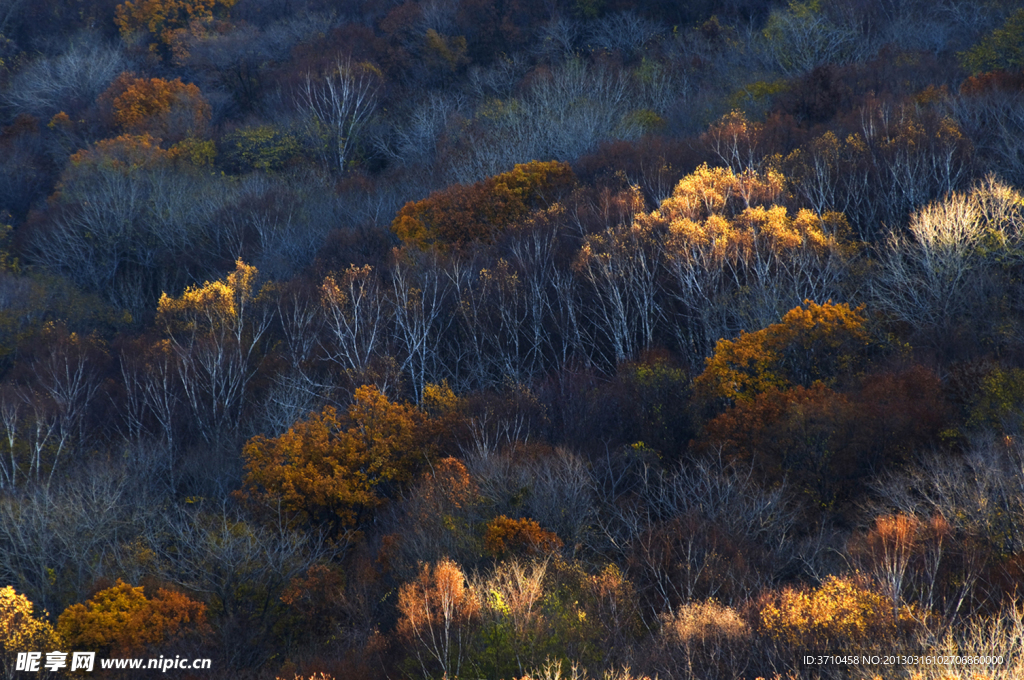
461, 214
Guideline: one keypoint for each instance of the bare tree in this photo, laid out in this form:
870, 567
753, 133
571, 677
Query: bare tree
699, 532
803, 36
57, 543
357, 321
65, 82
627, 32
937, 275
623, 267
241, 568
337, 109
422, 317
969, 511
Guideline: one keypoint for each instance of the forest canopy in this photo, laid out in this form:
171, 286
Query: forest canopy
512, 339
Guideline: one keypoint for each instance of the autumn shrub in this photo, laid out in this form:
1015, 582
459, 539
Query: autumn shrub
516, 630
875, 173
806, 35
688, 557
20, 631
122, 620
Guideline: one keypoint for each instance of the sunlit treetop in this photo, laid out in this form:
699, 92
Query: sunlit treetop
19, 630
214, 306
729, 215
122, 619
721, 192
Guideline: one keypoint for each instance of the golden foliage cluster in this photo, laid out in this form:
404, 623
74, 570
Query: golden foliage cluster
20, 631
328, 469
124, 621
844, 611
162, 18
813, 342
212, 307
504, 535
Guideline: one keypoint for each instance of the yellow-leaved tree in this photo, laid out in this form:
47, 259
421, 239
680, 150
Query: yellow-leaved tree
214, 332
737, 258
20, 631
844, 612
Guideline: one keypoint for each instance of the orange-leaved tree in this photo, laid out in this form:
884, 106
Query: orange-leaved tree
812, 343
332, 470
439, 613
460, 214
124, 153
825, 443
503, 536
168, 109
122, 620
